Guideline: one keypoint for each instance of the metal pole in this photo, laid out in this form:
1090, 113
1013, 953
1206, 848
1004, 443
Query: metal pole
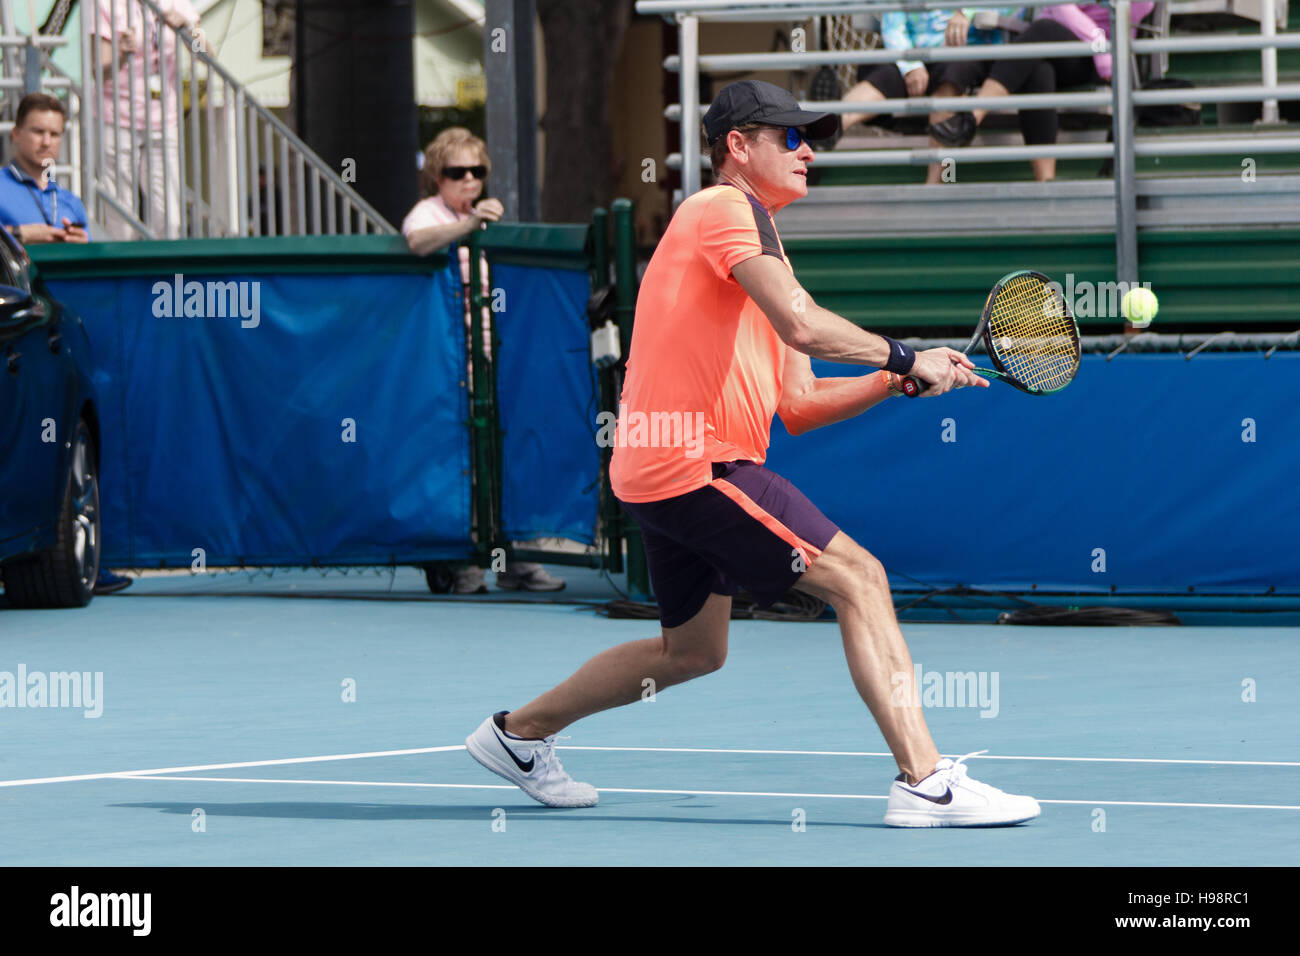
160, 39
1126, 248
688, 32
31, 68
178, 93
145, 187
638, 573
235, 104
480, 417
254, 172
300, 194
315, 229
91, 116
272, 224
611, 530
509, 66
1268, 57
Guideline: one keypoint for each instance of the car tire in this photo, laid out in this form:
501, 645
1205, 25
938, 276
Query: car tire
64, 574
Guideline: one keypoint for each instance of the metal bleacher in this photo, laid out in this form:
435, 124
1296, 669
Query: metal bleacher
1230, 171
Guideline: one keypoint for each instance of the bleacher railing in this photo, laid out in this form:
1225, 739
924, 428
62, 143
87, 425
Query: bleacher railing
1122, 98
225, 166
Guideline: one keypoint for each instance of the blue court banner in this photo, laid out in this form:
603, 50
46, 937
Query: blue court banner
547, 395
1149, 473
279, 419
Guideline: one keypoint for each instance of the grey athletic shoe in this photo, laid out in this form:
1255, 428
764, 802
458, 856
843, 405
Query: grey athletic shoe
526, 576
469, 580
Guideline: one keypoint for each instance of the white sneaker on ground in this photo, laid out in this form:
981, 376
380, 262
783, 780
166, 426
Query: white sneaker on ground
949, 798
526, 576
530, 765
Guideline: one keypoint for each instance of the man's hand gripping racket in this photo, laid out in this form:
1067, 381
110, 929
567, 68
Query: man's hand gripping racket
1028, 332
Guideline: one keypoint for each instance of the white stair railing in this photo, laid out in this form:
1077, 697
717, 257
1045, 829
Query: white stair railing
195, 156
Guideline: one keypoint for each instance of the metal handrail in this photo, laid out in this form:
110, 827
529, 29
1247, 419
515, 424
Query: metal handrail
1036, 101
40, 40
222, 194
726, 62
923, 156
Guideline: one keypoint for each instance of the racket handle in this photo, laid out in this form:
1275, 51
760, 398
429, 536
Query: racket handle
911, 387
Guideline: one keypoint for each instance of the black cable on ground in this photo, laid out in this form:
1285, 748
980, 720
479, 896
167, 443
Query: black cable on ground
1042, 615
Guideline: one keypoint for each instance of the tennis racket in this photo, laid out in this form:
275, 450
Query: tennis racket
1028, 332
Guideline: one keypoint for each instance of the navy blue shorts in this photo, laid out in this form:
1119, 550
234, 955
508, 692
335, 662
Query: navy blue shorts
747, 529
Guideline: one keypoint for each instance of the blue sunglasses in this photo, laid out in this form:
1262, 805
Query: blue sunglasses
793, 138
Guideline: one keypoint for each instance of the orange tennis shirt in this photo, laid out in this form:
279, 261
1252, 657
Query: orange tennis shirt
705, 366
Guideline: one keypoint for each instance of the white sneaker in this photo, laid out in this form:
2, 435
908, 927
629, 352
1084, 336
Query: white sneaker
530, 765
949, 798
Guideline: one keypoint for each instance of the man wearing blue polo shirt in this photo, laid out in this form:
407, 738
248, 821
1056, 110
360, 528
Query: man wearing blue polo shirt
33, 206
36, 209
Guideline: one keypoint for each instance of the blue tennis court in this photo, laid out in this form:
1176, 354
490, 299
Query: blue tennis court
309, 719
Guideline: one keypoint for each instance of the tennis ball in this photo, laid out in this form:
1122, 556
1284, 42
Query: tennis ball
1139, 306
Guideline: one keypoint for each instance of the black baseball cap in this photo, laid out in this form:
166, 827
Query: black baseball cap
753, 101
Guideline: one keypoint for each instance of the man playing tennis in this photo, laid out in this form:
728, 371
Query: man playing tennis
723, 335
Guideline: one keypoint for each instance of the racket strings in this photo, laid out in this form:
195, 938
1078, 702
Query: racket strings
1032, 335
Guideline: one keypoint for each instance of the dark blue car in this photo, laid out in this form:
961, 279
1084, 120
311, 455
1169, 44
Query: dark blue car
49, 444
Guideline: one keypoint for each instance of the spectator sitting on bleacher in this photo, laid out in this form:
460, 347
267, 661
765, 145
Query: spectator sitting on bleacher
1060, 24
927, 28
33, 206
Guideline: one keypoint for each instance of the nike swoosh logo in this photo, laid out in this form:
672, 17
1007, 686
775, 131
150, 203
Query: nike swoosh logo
942, 801
525, 767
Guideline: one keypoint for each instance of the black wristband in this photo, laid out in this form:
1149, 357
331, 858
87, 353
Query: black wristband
901, 357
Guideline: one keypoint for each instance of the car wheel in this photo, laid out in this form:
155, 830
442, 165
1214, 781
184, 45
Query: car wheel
64, 574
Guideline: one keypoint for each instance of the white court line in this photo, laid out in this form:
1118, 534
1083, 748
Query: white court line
870, 753
701, 793
427, 750
227, 766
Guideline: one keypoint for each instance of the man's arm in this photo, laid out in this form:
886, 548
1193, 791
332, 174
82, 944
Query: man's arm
808, 328
809, 402
34, 233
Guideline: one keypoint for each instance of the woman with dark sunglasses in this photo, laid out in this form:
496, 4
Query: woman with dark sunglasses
456, 164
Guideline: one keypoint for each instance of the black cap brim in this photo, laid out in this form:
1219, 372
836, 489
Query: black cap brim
818, 126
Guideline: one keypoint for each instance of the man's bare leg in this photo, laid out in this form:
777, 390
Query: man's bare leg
853, 582
614, 677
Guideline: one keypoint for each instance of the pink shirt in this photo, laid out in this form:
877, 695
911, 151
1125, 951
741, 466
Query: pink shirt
130, 89
434, 212
1090, 21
